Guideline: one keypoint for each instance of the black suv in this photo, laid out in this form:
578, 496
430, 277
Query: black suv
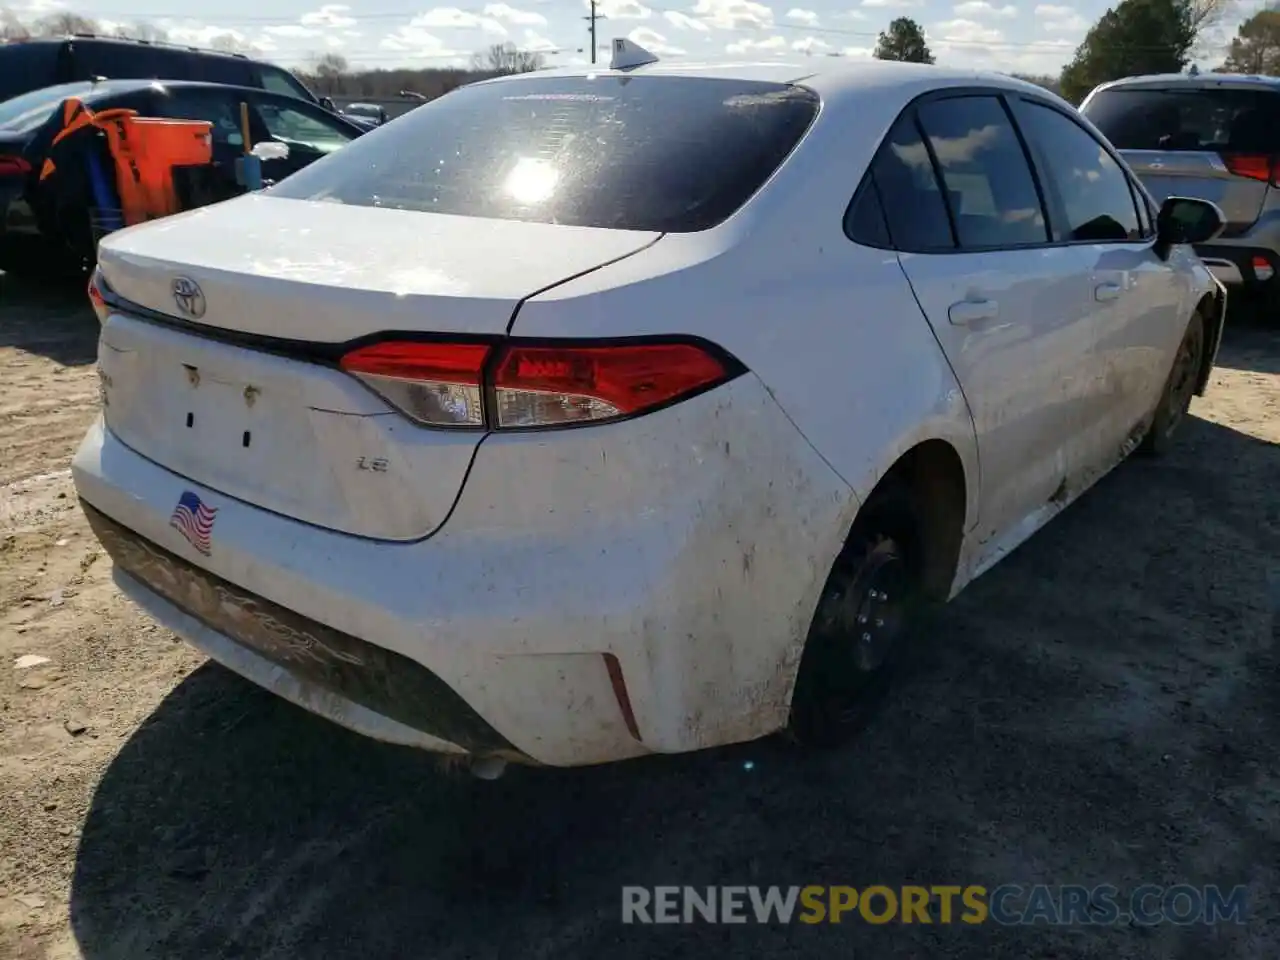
27, 65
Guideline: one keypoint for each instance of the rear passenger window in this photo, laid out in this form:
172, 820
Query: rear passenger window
913, 204
1092, 189
864, 223
989, 185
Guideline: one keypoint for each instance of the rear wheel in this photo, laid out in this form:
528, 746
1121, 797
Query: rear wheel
1178, 390
864, 620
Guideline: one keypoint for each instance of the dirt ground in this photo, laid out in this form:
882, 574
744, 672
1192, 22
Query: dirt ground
1100, 708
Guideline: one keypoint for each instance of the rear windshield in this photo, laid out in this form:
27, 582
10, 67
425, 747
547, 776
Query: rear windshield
1227, 121
672, 154
25, 113
27, 66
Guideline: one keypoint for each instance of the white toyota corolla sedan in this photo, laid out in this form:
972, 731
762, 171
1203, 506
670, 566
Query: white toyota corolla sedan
594, 413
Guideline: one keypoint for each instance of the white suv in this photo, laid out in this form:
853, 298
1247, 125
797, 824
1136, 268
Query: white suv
588, 414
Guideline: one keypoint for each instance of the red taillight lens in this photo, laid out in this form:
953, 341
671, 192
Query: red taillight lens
444, 384
1253, 166
96, 300
542, 386
437, 384
14, 167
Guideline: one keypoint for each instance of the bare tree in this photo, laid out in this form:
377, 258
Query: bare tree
230, 43
504, 58
141, 31
64, 23
331, 71
11, 28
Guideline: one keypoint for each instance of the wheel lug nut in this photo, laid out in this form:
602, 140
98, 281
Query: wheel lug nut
879, 622
866, 638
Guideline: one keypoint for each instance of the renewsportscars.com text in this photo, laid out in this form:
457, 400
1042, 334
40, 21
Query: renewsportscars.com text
1008, 904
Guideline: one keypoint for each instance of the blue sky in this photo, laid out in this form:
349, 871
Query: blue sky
1011, 35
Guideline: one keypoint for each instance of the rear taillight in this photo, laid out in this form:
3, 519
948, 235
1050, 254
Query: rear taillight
14, 167
438, 384
525, 386
542, 386
1262, 269
1253, 166
96, 298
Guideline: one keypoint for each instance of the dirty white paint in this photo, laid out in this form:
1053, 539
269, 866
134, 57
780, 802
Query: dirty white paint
692, 543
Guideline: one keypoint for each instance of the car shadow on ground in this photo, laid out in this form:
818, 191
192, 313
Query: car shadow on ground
1098, 709
49, 318
1251, 343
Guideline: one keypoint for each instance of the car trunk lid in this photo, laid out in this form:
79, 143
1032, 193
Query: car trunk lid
237, 387
1237, 183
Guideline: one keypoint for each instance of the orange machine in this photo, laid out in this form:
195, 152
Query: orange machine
145, 151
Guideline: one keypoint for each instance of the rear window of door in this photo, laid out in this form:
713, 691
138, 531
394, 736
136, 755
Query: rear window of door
1092, 190
673, 154
1182, 119
27, 66
989, 185
908, 192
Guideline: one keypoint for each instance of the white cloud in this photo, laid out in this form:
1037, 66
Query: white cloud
684, 22
621, 9
292, 30
857, 53
810, 45
333, 15
980, 8
509, 14
417, 42
1056, 19
536, 43
654, 42
808, 17
453, 18
767, 45
966, 31
734, 14
265, 44
851, 15
197, 35
334, 43
890, 4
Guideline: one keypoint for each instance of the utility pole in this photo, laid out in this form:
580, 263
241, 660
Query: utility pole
592, 20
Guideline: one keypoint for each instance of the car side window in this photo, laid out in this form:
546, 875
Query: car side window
220, 111
1093, 190
990, 187
295, 123
864, 221
909, 192
277, 81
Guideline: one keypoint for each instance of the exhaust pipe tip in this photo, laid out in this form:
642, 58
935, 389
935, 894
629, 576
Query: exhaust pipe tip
488, 768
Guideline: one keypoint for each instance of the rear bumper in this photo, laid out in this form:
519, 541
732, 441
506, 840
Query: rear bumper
643, 553
1240, 266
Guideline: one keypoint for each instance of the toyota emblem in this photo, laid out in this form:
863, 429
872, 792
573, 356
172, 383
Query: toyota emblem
189, 297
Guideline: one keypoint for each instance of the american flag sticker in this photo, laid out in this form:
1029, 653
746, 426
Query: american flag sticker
194, 520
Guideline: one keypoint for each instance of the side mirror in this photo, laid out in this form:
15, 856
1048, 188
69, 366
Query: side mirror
327, 103
1185, 220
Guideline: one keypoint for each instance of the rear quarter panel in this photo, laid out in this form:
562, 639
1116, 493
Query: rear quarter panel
831, 328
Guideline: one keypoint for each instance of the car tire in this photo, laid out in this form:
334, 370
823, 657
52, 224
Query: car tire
869, 609
1179, 388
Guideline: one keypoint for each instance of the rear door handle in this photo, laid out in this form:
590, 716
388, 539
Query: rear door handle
1107, 291
971, 311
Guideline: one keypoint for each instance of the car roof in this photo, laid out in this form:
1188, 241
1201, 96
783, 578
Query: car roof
826, 79
1199, 81
91, 90
124, 41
